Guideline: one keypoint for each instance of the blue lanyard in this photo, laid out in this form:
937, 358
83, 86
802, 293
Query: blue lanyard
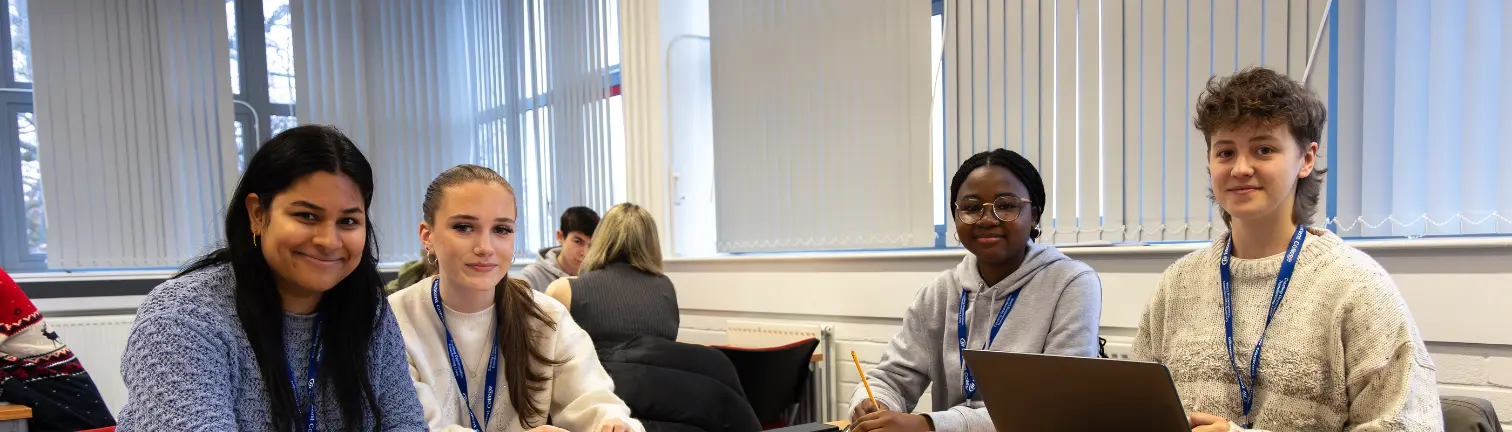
490, 381
968, 382
316, 352
1283, 279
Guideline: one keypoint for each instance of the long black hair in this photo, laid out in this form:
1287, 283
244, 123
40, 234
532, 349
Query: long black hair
350, 311
1014, 163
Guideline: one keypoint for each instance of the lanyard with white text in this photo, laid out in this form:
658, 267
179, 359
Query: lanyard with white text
1283, 279
967, 380
316, 352
490, 381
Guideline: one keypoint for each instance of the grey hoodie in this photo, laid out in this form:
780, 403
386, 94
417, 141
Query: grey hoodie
1057, 313
544, 270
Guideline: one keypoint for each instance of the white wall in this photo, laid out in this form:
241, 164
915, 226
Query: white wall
1459, 296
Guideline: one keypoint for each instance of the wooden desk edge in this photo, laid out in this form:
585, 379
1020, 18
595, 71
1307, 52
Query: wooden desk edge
15, 412
842, 424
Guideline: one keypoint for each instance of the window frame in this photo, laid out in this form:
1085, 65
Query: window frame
253, 105
15, 98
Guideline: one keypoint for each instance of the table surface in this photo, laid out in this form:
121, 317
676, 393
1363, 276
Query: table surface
15, 412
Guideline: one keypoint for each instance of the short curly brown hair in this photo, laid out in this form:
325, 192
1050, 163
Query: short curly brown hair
1263, 96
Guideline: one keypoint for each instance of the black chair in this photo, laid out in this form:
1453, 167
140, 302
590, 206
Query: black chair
1468, 414
774, 378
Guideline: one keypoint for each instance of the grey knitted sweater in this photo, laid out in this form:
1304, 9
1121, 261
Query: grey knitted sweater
188, 364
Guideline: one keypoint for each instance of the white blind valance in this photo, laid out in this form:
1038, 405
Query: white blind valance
821, 124
134, 121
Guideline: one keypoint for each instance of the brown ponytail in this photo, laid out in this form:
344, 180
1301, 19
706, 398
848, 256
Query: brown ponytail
514, 309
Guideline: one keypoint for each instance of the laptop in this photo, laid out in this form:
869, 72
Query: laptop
1039, 392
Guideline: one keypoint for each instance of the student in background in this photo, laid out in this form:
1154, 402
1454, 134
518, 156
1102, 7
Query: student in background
575, 234
37, 370
622, 291
1044, 301
285, 328
1277, 325
486, 352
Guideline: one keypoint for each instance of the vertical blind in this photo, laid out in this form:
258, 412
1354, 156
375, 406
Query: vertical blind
821, 124
382, 71
1099, 95
520, 87
133, 107
1423, 115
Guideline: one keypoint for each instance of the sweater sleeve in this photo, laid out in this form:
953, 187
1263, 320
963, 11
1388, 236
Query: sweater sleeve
903, 374
962, 419
396, 390
1073, 329
1392, 380
177, 376
582, 394
1148, 341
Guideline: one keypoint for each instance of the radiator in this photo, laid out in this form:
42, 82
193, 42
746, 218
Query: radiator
98, 342
816, 406
1119, 347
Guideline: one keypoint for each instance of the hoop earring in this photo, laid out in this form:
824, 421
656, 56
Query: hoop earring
1034, 233
254, 240
433, 260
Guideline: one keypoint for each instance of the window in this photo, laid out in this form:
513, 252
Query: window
262, 70
556, 178
23, 218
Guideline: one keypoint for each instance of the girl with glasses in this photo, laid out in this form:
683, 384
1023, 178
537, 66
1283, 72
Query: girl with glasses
1009, 294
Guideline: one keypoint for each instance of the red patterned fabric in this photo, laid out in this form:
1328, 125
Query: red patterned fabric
37, 370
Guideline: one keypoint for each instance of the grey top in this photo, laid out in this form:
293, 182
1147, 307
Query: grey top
1057, 313
188, 364
619, 301
544, 270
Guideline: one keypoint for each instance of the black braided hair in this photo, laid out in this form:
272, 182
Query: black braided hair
1014, 163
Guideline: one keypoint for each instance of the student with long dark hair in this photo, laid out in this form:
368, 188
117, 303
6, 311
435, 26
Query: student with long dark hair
487, 352
285, 328
1008, 294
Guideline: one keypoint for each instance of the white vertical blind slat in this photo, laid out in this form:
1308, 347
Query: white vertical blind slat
1112, 130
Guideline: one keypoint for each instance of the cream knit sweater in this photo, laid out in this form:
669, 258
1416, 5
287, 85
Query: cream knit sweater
1342, 353
580, 393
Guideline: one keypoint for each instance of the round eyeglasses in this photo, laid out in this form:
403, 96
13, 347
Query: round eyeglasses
1004, 208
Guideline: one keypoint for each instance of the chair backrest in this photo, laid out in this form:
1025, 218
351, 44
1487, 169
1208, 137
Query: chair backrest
773, 377
1469, 414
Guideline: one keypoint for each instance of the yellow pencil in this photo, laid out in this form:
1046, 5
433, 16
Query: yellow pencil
863, 381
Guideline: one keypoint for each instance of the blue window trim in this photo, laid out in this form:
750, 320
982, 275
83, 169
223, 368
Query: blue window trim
1331, 195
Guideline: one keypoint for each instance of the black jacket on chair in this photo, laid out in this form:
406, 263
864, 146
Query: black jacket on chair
674, 387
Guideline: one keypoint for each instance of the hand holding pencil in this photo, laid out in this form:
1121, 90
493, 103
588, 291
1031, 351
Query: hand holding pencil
870, 405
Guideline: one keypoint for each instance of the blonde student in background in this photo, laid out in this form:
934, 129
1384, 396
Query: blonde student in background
486, 352
1277, 325
1008, 294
